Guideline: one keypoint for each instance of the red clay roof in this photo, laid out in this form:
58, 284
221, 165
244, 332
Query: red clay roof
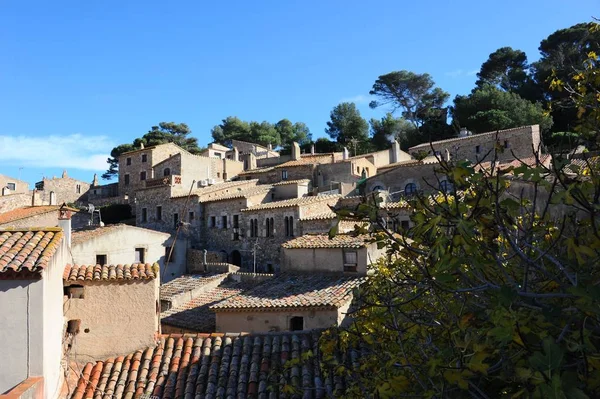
28, 250
27, 212
323, 241
294, 291
136, 271
214, 365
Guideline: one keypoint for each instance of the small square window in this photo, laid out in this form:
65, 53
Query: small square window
144, 157
139, 255
73, 327
477, 149
506, 144
191, 216
213, 221
74, 291
11, 186
143, 175
128, 161
101, 259
224, 221
350, 261
284, 175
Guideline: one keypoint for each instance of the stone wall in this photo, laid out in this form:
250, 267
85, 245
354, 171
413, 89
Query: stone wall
102, 192
276, 175
519, 141
316, 225
21, 187
65, 189
395, 180
15, 201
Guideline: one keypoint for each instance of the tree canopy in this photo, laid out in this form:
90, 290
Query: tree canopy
413, 93
165, 132
388, 129
348, 128
264, 133
489, 108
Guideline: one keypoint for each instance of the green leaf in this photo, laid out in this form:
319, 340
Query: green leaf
550, 359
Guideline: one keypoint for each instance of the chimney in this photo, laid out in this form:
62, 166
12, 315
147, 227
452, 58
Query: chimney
236, 154
295, 151
345, 153
95, 182
64, 222
395, 152
312, 148
270, 147
447, 155
33, 193
141, 146
251, 161
64, 173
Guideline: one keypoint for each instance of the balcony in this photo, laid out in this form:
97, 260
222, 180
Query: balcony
164, 181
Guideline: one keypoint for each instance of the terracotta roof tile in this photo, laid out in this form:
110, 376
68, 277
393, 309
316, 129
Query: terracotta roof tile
27, 212
294, 291
308, 159
593, 162
87, 273
323, 241
428, 145
215, 365
195, 314
327, 215
286, 182
28, 250
188, 282
215, 188
292, 202
257, 170
544, 159
89, 233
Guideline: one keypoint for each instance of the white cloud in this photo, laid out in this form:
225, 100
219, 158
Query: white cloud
359, 99
461, 72
75, 151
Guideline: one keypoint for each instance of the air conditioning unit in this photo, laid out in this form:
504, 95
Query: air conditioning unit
211, 181
203, 183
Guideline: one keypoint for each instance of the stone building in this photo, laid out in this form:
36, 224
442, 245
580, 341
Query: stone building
407, 178
520, 142
290, 302
121, 244
31, 315
259, 151
62, 189
35, 216
10, 185
216, 150
385, 157
100, 329
316, 253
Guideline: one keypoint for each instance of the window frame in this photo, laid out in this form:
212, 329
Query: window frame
159, 213
144, 157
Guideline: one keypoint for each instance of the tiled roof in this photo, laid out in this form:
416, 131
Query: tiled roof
187, 283
544, 159
294, 291
593, 162
401, 163
216, 366
427, 145
285, 182
320, 216
217, 146
242, 193
195, 314
215, 188
89, 233
28, 250
27, 212
291, 202
323, 241
256, 170
86, 273
308, 160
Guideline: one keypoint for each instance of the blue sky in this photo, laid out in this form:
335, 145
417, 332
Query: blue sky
79, 77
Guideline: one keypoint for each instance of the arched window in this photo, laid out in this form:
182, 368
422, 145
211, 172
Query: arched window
445, 186
272, 227
255, 227
167, 172
291, 227
410, 189
287, 227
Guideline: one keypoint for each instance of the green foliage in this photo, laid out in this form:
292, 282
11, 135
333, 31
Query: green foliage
495, 294
165, 132
388, 128
264, 133
489, 108
348, 128
115, 213
413, 93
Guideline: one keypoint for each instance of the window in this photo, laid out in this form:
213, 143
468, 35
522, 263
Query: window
405, 224
128, 161
350, 261
95, 192
445, 186
236, 221
269, 268
144, 215
213, 221
73, 327
269, 222
74, 291
167, 172
144, 157
139, 255
218, 154
224, 221
168, 253
289, 226
253, 227
11, 186
78, 189
175, 220
410, 189
126, 180
191, 216
284, 175
101, 260
143, 175
477, 149
297, 323
159, 213
506, 144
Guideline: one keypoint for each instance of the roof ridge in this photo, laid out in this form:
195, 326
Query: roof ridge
474, 135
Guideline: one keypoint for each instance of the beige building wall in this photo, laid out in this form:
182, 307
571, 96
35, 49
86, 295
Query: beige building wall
265, 321
116, 318
21, 186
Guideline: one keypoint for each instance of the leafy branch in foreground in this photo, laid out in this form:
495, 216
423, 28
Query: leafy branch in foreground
492, 293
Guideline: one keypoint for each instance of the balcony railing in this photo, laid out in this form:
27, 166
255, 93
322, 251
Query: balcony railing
163, 181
